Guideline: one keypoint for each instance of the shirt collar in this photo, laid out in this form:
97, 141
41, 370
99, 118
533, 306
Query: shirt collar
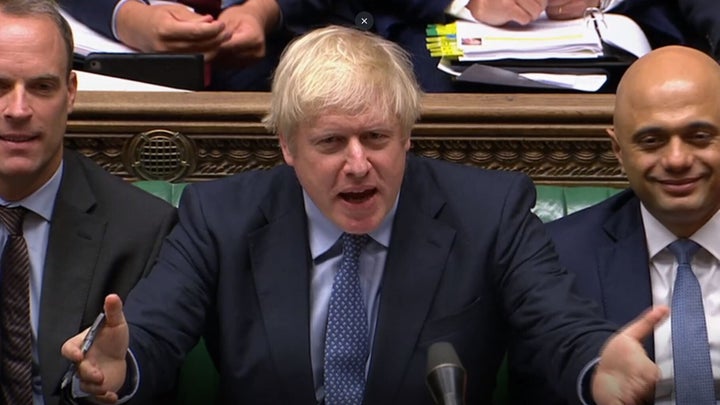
42, 201
323, 233
658, 236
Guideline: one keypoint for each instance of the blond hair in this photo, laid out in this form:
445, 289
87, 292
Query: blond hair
343, 70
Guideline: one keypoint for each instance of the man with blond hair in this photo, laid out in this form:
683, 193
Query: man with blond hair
326, 280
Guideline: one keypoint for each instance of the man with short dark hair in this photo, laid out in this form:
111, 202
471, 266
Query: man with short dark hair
85, 232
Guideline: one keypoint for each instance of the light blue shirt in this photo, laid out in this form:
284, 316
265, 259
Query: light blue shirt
36, 229
326, 252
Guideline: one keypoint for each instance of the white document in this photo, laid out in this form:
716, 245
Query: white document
88, 41
540, 39
622, 32
576, 82
545, 38
88, 81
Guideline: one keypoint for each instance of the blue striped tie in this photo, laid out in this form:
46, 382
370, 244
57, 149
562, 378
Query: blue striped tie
691, 351
346, 338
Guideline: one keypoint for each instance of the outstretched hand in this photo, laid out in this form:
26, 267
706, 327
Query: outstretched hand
625, 374
103, 368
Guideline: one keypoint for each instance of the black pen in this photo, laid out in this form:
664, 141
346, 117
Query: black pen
86, 345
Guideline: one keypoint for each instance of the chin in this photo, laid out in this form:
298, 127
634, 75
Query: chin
359, 227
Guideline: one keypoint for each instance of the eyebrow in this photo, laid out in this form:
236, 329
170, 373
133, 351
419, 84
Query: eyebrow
47, 76
694, 125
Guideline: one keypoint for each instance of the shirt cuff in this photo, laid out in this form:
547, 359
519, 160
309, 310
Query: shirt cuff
113, 24
584, 390
132, 382
457, 8
609, 4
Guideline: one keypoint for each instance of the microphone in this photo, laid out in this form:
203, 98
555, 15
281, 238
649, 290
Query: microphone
445, 375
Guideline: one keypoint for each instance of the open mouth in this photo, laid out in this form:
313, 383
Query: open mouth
358, 197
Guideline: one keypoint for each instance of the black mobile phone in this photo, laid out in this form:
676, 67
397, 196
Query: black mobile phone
183, 71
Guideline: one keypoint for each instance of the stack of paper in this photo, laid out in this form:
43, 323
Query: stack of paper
88, 41
542, 39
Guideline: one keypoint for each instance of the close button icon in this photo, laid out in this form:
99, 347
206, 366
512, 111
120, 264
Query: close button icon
364, 20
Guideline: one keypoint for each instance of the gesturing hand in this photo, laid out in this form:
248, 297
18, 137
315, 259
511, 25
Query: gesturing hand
625, 374
102, 369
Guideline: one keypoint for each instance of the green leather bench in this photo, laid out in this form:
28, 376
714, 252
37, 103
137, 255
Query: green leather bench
199, 380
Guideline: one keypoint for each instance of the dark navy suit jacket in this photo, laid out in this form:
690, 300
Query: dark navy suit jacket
467, 264
704, 16
604, 246
104, 236
694, 23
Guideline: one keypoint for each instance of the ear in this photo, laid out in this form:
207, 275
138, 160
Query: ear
72, 91
285, 147
407, 143
615, 144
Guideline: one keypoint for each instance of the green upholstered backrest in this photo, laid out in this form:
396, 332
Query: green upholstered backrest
554, 202
170, 192
199, 380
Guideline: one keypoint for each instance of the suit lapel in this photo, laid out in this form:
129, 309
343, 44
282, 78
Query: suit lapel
419, 249
73, 246
282, 283
624, 268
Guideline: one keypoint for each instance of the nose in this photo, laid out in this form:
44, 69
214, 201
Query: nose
16, 105
678, 155
356, 161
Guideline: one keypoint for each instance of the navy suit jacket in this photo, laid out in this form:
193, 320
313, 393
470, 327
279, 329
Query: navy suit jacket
96, 14
467, 264
604, 246
704, 16
104, 236
694, 23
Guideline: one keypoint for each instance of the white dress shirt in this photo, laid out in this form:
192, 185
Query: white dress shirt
662, 277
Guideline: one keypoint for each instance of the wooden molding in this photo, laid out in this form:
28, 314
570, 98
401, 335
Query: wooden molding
555, 138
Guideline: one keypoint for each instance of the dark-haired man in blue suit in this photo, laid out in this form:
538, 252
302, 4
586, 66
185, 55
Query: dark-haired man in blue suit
666, 135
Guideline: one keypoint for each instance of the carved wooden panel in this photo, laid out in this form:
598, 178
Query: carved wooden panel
555, 138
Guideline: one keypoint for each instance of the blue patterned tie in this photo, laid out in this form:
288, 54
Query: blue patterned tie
691, 351
346, 338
